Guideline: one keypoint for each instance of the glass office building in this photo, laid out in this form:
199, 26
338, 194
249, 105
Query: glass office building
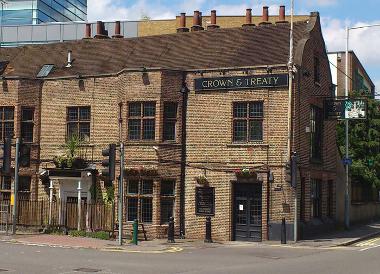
22, 12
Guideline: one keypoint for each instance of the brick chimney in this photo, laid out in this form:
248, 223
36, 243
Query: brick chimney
100, 32
182, 23
281, 16
117, 30
213, 24
248, 18
87, 34
197, 23
265, 18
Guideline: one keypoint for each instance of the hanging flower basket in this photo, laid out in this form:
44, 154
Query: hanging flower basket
246, 173
202, 180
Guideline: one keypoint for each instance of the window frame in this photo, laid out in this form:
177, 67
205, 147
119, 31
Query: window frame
316, 134
248, 119
316, 198
142, 118
140, 196
167, 197
78, 122
25, 122
168, 120
317, 69
4, 121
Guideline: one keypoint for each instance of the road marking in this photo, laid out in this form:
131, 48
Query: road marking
167, 250
370, 242
367, 248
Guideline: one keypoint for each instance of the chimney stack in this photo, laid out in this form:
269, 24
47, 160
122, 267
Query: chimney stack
197, 25
248, 18
281, 17
213, 24
117, 30
265, 18
88, 31
182, 23
100, 32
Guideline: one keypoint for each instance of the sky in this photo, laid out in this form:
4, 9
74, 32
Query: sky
335, 16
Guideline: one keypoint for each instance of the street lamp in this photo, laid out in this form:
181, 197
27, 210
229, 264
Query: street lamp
346, 197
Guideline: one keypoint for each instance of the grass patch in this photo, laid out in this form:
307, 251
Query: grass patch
103, 235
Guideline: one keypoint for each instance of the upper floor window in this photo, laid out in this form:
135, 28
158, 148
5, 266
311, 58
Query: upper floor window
78, 122
170, 120
248, 121
27, 124
316, 132
6, 122
141, 120
317, 75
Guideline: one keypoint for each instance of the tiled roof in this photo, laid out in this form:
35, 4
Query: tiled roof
229, 47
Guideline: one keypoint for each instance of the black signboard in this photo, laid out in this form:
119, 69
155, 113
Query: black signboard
343, 108
205, 201
242, 82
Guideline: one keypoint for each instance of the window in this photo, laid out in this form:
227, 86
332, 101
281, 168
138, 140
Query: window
167, 200
78, 122
27, 124
302, 200
6, 122
317, 76
248, 121
316, 198
6, 183
24, 187
140, 200
141, 120
170, 119
316, 133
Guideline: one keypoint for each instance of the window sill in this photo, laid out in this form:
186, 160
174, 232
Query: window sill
258, 144
142, 143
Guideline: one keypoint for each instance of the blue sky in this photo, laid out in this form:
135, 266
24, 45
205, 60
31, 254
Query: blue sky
335, 15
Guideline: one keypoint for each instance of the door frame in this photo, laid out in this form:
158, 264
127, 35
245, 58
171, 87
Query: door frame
233, 205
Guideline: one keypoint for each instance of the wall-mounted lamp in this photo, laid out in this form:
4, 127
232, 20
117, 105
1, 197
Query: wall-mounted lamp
184, 88
270, 177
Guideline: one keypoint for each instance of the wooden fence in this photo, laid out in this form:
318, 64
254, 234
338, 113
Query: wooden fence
94, 216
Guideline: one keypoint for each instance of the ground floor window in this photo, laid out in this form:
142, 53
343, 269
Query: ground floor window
167, 200
302, 205
140, 200
330, 197
316, 198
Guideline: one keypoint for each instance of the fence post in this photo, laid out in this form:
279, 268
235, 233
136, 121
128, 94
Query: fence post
50, 201
171, 230
79, 209
135, 232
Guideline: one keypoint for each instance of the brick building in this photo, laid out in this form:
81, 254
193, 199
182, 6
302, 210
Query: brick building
201, 113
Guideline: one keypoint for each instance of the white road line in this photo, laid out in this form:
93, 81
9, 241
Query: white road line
367, 248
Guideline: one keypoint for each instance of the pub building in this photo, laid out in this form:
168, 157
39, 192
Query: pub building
205, 118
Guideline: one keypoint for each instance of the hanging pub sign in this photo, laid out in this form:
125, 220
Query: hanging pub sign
204, 201
343, 108
242, 82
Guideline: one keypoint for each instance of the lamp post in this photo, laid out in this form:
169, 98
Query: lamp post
346, 196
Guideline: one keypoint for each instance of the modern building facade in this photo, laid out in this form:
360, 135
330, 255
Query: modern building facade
359, 80
205, 116
25, 12
18, 35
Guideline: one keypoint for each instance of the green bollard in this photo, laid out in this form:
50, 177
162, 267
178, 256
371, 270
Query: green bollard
135, 232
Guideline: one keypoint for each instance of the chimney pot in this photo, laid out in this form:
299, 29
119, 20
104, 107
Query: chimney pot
248, 18
197, 21
88, 31
281, 16
117, 30
182, 23
100, 31
213, 24
265, 18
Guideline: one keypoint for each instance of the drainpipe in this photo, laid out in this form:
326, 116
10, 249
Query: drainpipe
184, 90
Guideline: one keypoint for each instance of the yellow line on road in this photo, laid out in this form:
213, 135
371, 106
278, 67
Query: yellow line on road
368, 242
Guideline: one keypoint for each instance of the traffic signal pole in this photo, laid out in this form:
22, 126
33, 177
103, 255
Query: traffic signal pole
121, 193
14, 223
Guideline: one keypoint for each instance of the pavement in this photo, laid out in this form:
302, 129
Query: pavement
333, 239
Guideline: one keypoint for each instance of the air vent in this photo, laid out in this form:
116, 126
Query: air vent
45, 70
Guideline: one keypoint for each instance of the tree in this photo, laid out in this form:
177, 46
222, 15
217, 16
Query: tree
364, 140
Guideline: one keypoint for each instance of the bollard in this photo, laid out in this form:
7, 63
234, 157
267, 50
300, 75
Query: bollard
208, 238
135, 232
171, 230
283, 231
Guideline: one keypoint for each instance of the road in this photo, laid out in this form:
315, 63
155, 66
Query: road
360, 258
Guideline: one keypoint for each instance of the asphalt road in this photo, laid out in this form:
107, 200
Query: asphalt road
361, 258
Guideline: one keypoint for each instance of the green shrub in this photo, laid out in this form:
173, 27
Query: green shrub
103, 235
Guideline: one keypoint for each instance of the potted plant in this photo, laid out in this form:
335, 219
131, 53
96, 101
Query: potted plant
202, 180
